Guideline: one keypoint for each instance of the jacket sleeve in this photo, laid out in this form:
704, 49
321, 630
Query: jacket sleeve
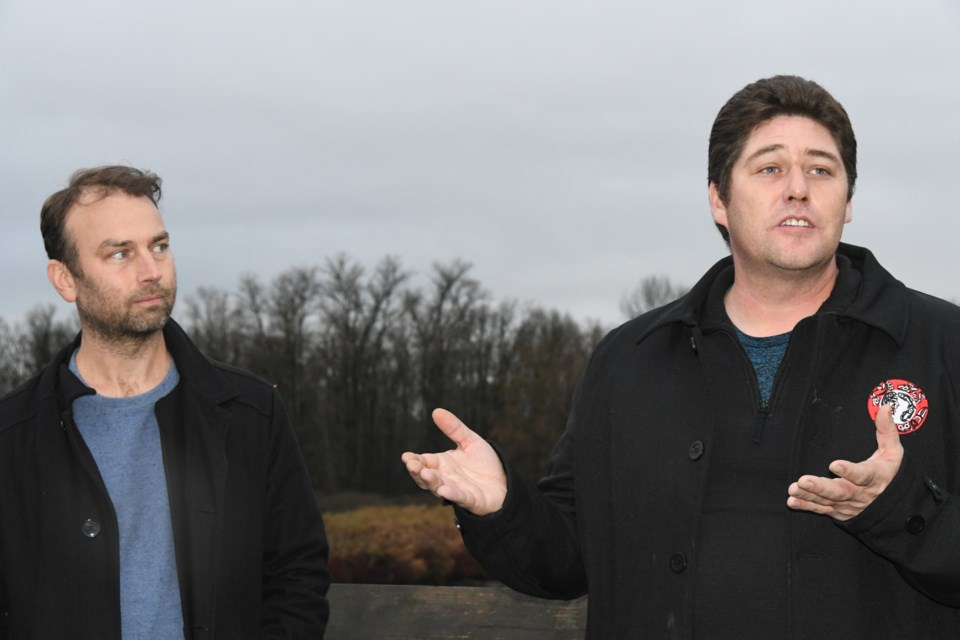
531, 544
915, 524
295, 575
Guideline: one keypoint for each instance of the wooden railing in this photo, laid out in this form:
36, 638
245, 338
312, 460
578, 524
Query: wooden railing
394, 612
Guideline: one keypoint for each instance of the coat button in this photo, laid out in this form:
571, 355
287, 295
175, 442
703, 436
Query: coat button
678, 562
696, 450
915, 524
90, 528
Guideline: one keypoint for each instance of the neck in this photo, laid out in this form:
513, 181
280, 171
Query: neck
122, 368
763, 305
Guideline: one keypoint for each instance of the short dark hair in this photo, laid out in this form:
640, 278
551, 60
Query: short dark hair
99, 182
763, 101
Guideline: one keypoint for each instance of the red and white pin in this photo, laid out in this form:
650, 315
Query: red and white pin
909, 404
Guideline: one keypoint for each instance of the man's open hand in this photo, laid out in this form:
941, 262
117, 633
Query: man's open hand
470, 476
857, 485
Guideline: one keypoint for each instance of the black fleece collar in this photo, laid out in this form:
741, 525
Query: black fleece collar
864, 291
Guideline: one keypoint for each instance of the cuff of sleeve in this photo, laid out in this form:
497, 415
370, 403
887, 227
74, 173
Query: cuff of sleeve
904, 510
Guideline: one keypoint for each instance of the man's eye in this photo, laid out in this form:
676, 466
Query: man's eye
119, 255
769, 170
161, 247
820, 171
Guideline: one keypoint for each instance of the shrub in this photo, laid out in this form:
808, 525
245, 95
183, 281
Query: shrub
410, 544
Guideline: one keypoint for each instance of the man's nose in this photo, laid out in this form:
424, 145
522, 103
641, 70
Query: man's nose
147, 268
796, 186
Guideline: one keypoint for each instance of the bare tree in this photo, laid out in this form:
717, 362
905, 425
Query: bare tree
216, 324
27, 348
548, 356
650, 293
366, 380
459, 340
14, 368
45, 335
361, 358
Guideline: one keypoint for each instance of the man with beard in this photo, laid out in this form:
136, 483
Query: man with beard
145, 491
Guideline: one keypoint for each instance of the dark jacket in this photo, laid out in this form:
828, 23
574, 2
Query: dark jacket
250, 544
618, 514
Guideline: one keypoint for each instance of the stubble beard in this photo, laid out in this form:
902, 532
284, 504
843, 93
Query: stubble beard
807, 262
122, 323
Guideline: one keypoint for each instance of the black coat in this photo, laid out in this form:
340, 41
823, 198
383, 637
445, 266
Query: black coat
250, 545
619, 512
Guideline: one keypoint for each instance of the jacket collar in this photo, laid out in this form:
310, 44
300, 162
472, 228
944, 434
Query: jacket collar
864, 292
193, 366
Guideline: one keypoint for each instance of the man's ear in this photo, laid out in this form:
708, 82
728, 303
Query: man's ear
717, 207
62, 280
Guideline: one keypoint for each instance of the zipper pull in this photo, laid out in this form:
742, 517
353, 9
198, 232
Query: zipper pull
760, 423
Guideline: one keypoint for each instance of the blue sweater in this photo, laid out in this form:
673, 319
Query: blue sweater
124, 438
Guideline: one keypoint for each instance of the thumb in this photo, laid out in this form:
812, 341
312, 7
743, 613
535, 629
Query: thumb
888, 438
453, 428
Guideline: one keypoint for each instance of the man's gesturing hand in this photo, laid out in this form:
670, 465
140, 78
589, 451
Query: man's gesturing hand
856, 485
471, 475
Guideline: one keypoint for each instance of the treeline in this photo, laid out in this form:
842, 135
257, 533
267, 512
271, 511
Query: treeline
28, 347
361, 357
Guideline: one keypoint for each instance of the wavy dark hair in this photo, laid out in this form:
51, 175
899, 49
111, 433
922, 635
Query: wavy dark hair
91, 185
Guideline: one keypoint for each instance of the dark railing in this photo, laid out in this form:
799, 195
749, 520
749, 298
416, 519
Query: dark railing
395, 612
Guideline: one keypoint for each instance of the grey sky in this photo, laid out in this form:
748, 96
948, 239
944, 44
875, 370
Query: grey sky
560, 147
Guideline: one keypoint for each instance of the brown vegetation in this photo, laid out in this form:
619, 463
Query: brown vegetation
412, 544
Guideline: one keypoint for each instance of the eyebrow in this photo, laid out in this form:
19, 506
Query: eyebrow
816, 153
119, 244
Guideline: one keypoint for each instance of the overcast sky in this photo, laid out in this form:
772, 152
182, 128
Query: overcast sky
559, 147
